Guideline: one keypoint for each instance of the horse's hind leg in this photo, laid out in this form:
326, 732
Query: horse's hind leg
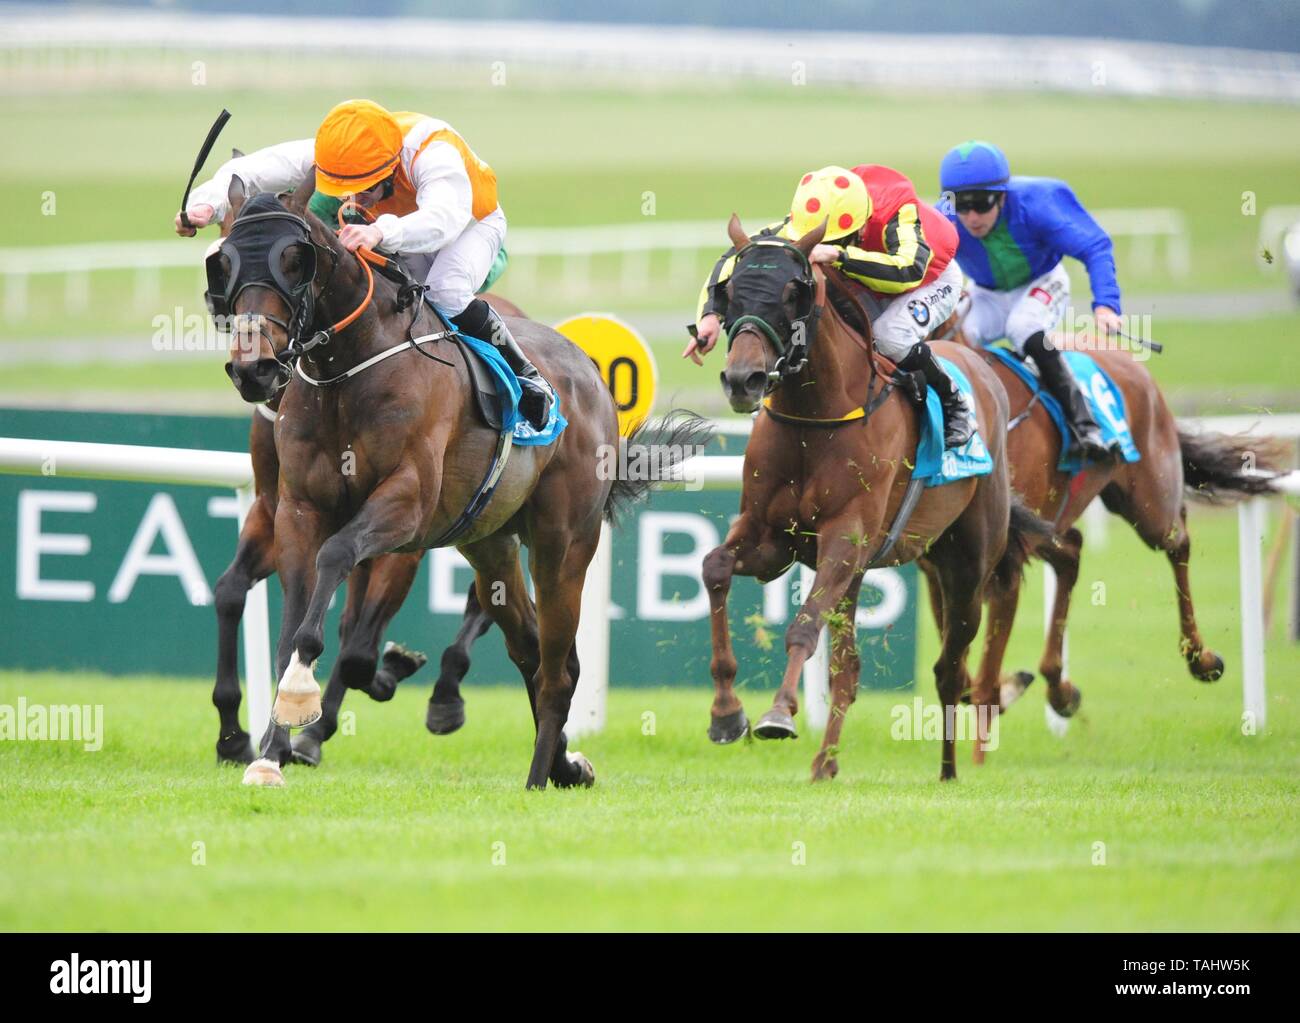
845, 669
254, 561
446, 711
962, 578
987, 692
1064, 559
1165, 528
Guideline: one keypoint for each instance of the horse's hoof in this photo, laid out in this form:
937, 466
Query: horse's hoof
1073, 698
586, 773
401, 662
775, 724
235, 749
297, 699
306, 749
1014, 688
1211, 672
264, 772
825, 769
444, 718
727, 729
948, 774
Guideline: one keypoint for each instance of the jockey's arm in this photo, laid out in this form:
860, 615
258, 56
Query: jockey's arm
1074, 232
902, 266
444, 199
272, 169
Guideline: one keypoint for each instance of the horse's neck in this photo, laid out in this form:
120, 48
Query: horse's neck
835, 379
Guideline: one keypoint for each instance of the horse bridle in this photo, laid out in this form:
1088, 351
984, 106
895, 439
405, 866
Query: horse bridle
224, 289
792, 356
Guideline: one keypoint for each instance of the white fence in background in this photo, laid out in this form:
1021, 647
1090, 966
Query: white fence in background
234, 469
51, 47
566, 258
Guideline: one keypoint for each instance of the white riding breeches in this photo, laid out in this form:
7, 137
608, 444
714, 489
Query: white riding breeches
1020, 313
457, 271
911, 316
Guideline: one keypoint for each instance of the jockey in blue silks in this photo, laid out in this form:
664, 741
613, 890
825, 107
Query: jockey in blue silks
1012, 234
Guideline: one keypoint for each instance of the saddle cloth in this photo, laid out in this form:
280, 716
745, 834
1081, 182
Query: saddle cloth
1105, 400
936, 465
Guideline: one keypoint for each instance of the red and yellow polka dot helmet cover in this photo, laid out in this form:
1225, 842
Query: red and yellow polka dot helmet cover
833, 194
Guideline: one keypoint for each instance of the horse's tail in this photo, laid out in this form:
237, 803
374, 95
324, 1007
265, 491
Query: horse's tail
1219, 467
1026, 533
653, 453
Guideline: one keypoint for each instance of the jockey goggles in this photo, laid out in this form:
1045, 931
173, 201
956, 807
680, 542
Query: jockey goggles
975, 201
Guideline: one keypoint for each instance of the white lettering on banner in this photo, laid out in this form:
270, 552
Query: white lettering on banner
444, 598
223, 507
161, 518
655, 565
889, 581
893, 599
32, 543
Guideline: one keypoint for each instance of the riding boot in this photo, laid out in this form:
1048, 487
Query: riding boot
480, 320
1086, 441
958, 420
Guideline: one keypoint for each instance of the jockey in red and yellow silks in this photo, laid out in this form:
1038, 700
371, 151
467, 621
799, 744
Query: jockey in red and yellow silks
436, 204
880, 234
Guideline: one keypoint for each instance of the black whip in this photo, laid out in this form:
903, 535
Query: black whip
208, 143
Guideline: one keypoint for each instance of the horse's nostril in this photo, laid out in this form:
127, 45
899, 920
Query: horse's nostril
756, 381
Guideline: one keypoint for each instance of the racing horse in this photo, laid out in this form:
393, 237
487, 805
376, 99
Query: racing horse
382, 454
826, 472
1150, 494
366, 615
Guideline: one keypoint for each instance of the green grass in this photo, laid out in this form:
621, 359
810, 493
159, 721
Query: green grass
397, 829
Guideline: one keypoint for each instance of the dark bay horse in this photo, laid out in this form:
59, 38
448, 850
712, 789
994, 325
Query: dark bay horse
1149, 494
366, 616
388, 457
825, 495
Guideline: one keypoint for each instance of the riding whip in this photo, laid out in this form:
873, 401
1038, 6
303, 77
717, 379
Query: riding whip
208, 143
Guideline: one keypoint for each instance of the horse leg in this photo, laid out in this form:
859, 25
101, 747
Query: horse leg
388, 520
376, 590
1164, 529
986, 694
839, 562
845, 670
297, 534
559, 561
1064, 559
446, 711
962, 579
254, 561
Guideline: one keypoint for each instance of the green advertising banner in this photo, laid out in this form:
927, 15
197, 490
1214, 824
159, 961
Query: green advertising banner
117, 577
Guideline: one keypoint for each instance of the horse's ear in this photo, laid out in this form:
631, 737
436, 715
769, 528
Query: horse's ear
235, 194
737, 233
811, 239
236, 153
303, 191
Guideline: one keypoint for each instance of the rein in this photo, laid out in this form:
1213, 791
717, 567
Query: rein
885, 374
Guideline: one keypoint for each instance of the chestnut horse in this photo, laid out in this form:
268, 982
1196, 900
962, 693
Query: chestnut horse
824, 490
1149, 494
388, 456
366, 616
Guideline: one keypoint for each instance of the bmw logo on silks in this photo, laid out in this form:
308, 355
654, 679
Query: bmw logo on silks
920, 311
